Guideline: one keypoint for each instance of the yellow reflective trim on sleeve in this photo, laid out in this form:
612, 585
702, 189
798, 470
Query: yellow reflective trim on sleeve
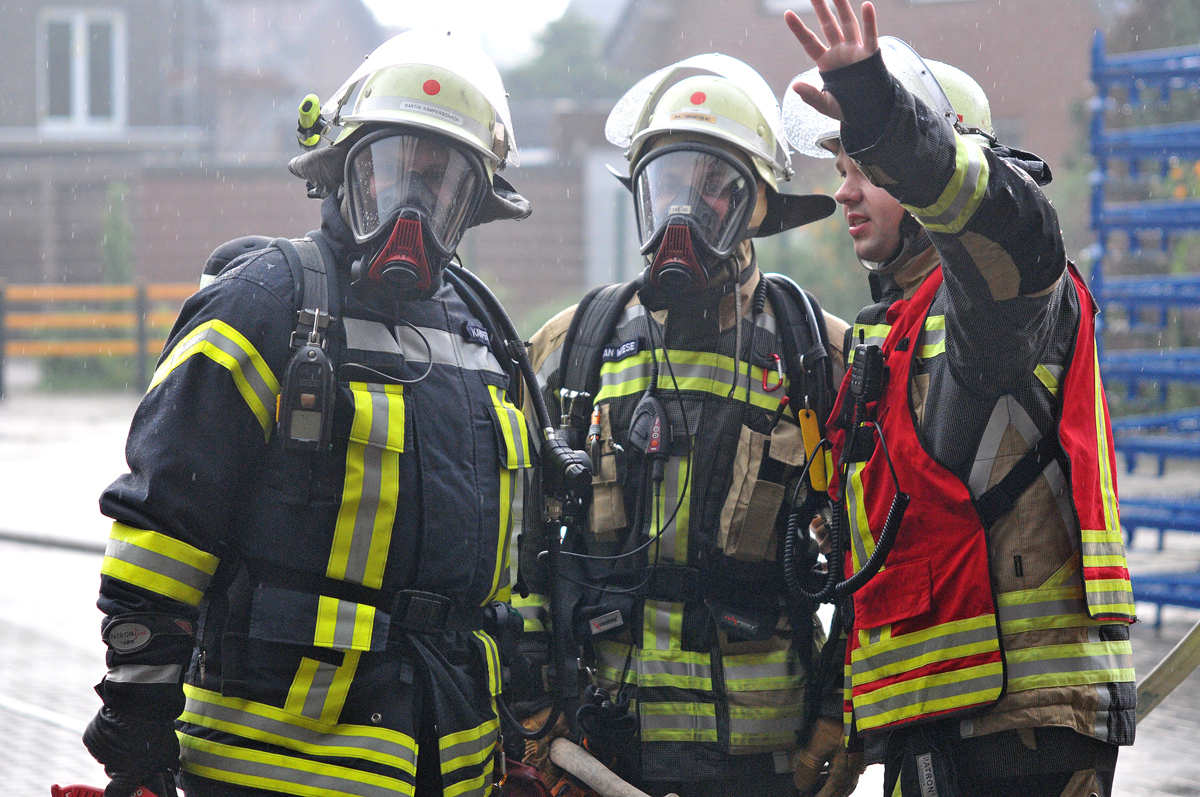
158, 563
962, 195
1108, 490
230, 349
1046, 378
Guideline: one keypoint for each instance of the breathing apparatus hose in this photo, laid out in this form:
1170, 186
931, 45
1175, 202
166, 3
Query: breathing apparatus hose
576, 472
834, 590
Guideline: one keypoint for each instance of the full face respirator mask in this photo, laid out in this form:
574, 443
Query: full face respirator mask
410, 199
693, 203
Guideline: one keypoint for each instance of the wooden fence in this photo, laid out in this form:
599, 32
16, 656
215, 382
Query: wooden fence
89, 321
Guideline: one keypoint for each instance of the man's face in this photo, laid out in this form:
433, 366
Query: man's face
872, 214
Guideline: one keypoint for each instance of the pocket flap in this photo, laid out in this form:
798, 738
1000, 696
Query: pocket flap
896, 593
378, 415
787, 444
511, 430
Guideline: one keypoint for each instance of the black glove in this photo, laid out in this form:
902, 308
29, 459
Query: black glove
135, 752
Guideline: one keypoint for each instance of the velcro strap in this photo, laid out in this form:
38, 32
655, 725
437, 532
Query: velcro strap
1000, 497
425, 612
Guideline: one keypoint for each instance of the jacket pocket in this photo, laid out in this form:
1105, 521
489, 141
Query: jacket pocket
896, 593
761, 468
608, 499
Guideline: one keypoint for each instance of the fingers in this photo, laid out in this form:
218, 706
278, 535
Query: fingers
823, 101
849, 22
808, 40
829, 24
807, 768
870, 38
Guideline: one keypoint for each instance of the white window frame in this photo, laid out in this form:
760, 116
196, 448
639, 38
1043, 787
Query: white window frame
80, 120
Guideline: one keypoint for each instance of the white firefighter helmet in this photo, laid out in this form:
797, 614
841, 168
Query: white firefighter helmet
969, 101
814, 134
431, 79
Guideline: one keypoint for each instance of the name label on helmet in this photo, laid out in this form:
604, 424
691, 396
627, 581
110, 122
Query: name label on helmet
626, 349
682, 210
698, 115
431, 110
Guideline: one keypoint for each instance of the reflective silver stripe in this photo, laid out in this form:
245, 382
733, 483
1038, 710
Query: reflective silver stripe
282, 773
368, 507
470, 747
954, 218
1064, 664
1008, 411
318, 690
631, 314
1103, 701
246, 366
660, 616
677, 722
145, 674
670, 499
1049, 608
865, 665
1103, 548
640, 366
157, 563
446, 348
854, 502
548, 366
767, 322
369, 336
787, 719
298, 736
681, 669
791, 667
929, 694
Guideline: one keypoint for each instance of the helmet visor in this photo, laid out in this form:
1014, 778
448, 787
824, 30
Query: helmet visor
390, 172
711, 189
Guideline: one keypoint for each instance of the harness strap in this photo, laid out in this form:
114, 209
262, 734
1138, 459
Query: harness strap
1000, 497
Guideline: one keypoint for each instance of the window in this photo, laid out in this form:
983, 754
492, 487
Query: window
81, 69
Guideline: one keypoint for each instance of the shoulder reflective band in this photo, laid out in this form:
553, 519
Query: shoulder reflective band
934, 341
961, 196
371, 490
228, 348
870, 334
158, 563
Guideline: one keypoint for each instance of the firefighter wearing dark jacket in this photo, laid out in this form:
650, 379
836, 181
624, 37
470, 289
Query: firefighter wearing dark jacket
305, 604
991, 654
678, 385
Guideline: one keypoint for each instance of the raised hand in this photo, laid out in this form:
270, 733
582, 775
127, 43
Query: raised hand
846, 43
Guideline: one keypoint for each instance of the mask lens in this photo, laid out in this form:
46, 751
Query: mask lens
392, 173
709, 189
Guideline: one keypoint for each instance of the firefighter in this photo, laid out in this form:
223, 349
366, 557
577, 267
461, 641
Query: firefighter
991, 654
692, 389
299, 582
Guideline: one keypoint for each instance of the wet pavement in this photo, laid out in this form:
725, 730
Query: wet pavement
58, 452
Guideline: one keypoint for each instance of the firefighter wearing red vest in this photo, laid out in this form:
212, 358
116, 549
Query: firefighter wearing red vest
990, 654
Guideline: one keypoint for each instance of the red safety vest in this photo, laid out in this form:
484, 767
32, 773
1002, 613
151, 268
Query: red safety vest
926, 640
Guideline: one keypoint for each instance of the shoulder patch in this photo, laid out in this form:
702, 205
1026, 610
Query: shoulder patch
476, 333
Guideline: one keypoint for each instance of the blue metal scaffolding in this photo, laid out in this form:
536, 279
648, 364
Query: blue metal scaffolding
1140, 309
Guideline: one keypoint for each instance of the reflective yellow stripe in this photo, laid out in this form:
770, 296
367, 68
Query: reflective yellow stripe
869, 334
230, 349
936, 692
694, 371
765, 726
1069, 665
1105, 548
371, 491
319, 688
158, 563
259, 722
492, 659
503, 536
468, 748
1107, 490
678, 722
512, 428
908, 652
343, 624
933, 342
1046, 378
856, 510
961, 196
760, 672
260, 769
531, 608
683, 669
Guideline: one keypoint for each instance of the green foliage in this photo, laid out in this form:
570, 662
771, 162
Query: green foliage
569, 65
